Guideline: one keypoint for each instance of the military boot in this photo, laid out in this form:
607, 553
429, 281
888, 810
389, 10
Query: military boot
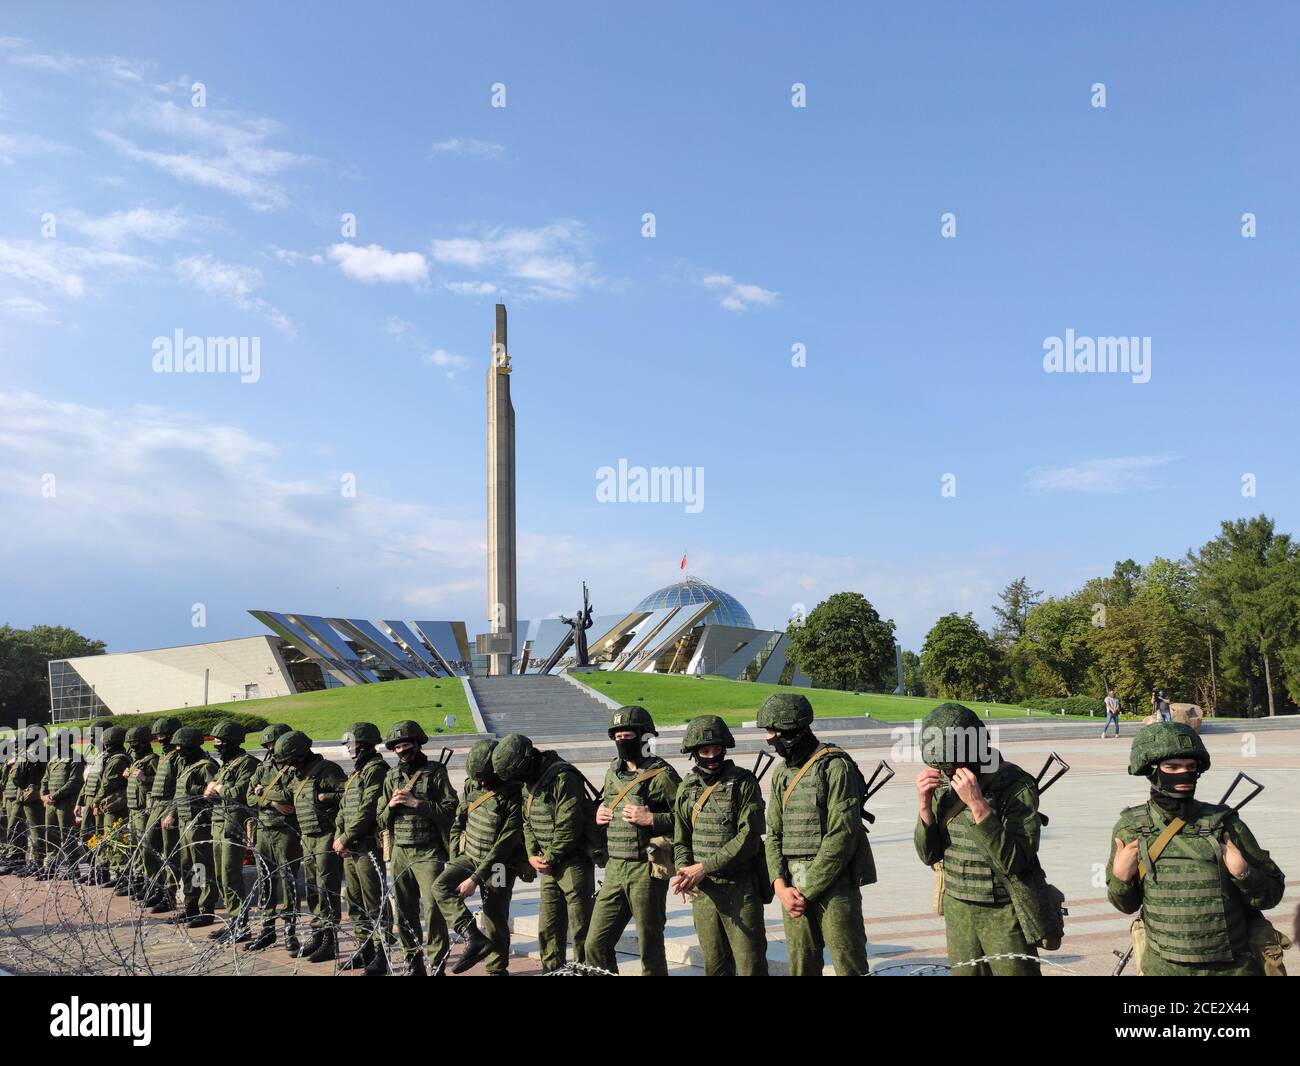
327, 950
291, 944
202, 920
415, 966
317, 937
264, 940
361, 958
378, 966
476, 947
162, 904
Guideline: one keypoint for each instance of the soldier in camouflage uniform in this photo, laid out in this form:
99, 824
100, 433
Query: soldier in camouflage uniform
139, 780
555, 843
487, 841
717, 842
317, 789
637, 805
191, 814
979, 817
356, 843
818, 857
417, 807
108, 806
24, 780
228, 793
277, 845
88, 823
59, 788
162, 846
6, 763
1206, 882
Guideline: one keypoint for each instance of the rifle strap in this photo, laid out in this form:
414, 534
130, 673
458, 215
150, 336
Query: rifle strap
479, 802
1161, 842
830, 749
699, 803
634, 782
264, 798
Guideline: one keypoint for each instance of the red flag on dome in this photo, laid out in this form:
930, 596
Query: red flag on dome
683, 566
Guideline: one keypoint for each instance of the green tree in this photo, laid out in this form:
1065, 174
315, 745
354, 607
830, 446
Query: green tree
845, 644
24, 674
913, 676
1017, 600
959, 659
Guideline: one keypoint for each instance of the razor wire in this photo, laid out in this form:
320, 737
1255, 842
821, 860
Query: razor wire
60, 918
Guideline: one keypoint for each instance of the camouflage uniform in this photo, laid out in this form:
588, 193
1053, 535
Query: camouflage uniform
62, 783
630, 890
718, 823
161, 851
230, 815
194, 824
357, 830
276, 844
816, 841
1195, 912
978, 857
144, 766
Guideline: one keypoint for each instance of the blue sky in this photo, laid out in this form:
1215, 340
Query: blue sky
775, 226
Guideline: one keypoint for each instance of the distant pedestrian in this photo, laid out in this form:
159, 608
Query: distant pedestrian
1160, 706
1112, 713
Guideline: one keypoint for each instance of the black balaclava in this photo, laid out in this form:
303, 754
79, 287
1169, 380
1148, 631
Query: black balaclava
142, 748
361, 754
532, 769
794, 745
709, 768
225, 752
409, 755
631, 750
1164, 795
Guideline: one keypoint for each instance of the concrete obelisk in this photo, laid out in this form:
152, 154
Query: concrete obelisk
500, 495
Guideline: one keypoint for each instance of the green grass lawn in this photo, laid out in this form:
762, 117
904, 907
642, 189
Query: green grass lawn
326, 714
673, 699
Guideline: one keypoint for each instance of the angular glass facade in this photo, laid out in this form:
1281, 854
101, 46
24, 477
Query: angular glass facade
729, 611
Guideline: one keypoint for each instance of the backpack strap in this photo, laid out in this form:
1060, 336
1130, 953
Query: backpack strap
699, 803
830, 749
316, 772
479, 802
639, 779
550, 774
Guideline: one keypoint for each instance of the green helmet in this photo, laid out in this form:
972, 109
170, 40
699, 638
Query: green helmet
363, 733
230, 731
406, 730
166, 726
114, 736
187, 738
138, 734
952, 735
293, 745
785, 710
479, 758
1165, 740
511, 755
632, 717
706, 729
274, 732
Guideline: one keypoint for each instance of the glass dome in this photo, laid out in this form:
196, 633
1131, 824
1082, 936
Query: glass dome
729, 611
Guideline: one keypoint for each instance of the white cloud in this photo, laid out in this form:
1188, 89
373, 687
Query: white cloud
374, 263
1119, 474
13, 145
98, 68
468, 146
232, 283
57, 267
397, 326
122, 227
28, 310
548, 262
738, 297
439, 357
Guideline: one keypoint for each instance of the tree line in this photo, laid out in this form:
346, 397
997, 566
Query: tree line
1219, 627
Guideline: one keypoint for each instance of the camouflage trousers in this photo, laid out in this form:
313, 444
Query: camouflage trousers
978, 929
34, 816
139, 820
729, 926
364, 876
198, 878
159, 854
565, 908
15, 841
62, 841
322, 872
279, 855
832, 921
414, 870
228, 850
629, 892
496, 909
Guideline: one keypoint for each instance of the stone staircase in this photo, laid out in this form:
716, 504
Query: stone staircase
539, 705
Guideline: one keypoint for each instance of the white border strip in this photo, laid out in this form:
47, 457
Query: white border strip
479, 727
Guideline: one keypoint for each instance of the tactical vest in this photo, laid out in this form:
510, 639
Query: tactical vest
90, 783
483, 823
628, 841
229, 808
275, 782
190, 807
1191, 910
803, 816
967, 872
61, 771
315, 817
538, 809
353, 791
164, 781
717, 822
137, 789
411, 828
